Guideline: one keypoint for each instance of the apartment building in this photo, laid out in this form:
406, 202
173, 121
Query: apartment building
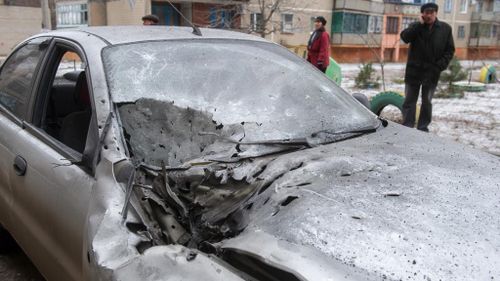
361, 30
364, 30
484, 39
290, 22
18, 19
369, 30
211, 13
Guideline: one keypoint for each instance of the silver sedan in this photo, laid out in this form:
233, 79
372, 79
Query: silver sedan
152, 153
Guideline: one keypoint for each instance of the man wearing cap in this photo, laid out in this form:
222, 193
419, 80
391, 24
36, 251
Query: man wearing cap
431, 50
318, 48
150, 20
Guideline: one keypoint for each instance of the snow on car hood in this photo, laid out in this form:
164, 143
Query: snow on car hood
398, 203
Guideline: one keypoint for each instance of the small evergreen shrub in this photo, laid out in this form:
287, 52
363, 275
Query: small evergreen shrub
453, 73
365, 79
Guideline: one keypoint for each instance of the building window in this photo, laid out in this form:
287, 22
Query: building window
461, 32
494, 31
287, 23
392, 25
485, 30
448, 6
496, 6
375, 24
474, 30
479, 6
337, 22
488, 6
463, 6
355, 23
256, 22
71, 15
407, 21
221, 18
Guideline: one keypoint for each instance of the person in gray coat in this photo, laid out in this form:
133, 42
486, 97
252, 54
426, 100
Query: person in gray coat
431, 50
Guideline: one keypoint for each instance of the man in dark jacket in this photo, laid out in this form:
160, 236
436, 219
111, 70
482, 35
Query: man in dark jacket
431, 50
318, 47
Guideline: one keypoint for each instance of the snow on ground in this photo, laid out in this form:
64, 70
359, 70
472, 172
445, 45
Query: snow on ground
473, 120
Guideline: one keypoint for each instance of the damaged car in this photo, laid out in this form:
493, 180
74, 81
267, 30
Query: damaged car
152, 153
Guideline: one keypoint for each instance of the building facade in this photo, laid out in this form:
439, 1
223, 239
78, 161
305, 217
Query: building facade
484, 30
18, 19
364, 30
289, 22
361, 30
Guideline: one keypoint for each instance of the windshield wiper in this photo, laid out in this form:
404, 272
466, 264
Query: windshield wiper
332, 136
306, 142
347, 132
287, 142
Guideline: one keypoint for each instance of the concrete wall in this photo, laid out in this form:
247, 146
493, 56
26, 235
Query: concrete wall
119, 12
16, 24
373, 6
97, 13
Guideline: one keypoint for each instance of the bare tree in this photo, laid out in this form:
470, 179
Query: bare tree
264, 24
267, 15
262, 17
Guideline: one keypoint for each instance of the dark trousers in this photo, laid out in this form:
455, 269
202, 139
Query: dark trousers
410, 105
321, 68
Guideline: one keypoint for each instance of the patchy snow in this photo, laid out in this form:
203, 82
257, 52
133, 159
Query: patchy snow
473, 120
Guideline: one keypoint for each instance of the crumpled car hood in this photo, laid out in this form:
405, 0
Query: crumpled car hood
396, 204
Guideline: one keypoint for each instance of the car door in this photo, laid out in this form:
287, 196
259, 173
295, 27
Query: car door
50, 196
17, 75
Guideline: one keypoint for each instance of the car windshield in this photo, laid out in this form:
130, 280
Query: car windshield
235, 81
255, 91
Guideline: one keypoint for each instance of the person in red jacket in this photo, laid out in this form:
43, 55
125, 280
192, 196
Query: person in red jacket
318, 48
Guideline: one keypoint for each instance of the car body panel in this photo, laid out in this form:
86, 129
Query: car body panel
44, 223
50, 204
9, 131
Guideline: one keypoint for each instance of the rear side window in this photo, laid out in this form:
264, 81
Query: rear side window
16, 78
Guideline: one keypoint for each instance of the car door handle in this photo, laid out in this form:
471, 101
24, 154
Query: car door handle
20, 165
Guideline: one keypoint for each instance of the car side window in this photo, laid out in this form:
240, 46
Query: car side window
67, 108
17, 76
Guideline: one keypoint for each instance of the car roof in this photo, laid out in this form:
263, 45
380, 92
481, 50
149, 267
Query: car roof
127, 34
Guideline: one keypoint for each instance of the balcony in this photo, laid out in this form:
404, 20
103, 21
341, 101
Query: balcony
406, 2
486, 16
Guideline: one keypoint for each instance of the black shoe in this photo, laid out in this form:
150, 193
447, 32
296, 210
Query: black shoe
424, 130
